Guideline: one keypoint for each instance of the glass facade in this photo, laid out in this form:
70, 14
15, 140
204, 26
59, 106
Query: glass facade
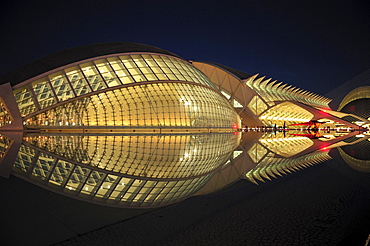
103, 73
149, 105
257, 105
257, 152
4, 146
5, 117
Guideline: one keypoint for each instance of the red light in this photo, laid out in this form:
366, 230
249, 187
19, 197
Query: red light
235, 126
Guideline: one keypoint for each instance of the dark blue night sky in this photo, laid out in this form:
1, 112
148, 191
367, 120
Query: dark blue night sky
315, 45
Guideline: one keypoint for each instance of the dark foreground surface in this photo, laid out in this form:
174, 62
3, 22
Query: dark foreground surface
328, 204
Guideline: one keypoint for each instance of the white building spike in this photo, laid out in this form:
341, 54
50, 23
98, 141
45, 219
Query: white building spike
269, 88
263, 86
250, 80
264, 83
257, 82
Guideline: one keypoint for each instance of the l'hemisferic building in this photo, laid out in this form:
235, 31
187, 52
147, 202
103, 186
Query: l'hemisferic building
119, 121
135, 87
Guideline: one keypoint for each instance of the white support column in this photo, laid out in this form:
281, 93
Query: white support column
7, 162
6, 93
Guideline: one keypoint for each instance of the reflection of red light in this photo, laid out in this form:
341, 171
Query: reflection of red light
324, 148
352, 108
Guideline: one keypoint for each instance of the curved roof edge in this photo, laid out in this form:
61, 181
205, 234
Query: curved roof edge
75, 54
362, 92
340, 92
240, 74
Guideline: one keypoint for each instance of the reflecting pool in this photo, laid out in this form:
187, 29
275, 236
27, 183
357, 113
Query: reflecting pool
136, 173
152, 170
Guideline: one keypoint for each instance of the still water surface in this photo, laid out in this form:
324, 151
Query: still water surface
314, 186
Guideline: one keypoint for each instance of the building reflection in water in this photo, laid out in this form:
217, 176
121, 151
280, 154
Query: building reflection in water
148, 170
122, 170
355, 152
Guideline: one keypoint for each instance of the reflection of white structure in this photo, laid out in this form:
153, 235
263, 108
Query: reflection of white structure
264, 156
271, 166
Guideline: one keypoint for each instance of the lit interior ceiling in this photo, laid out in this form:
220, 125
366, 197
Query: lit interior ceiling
285, 112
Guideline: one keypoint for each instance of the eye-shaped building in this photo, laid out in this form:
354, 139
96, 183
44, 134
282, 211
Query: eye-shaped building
116, 86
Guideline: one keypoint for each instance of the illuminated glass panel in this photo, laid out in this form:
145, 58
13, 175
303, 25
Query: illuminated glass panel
226, 95
25, 158
257, 105
144, 67
165, 68
43, 166
102, 73
107, 73
93, 182
158, 72
24, 100
120, 69
61, 172
5, 117
77, 178
133, 69
4, 145
61, 86
77, 80
256, 152
162, 104
93, 77
236, 153
237, 104
43, 92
